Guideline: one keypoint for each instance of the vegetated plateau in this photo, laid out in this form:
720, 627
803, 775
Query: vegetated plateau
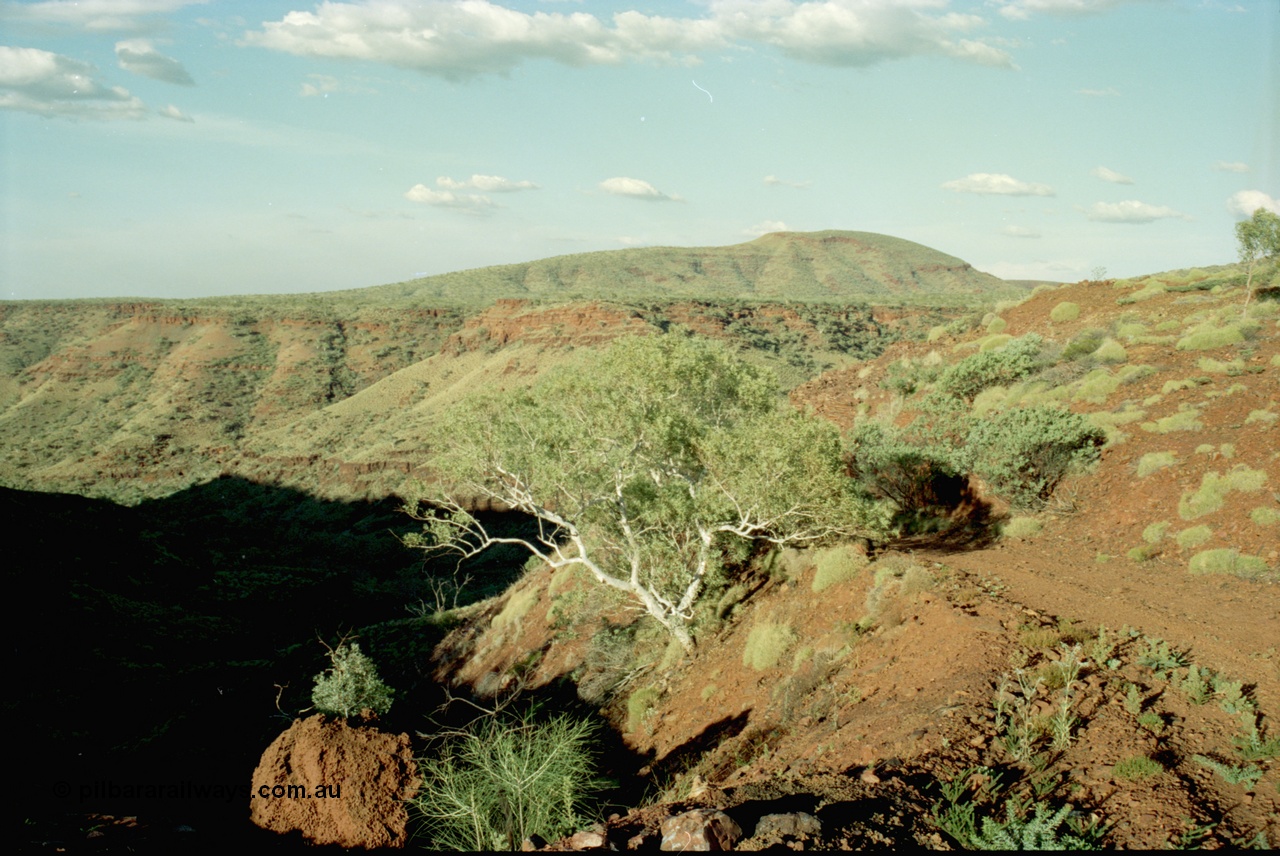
1060, 625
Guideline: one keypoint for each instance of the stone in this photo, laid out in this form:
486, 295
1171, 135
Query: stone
793, 825
585, 840
336, 784
701, 830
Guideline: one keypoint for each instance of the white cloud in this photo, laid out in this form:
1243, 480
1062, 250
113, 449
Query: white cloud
764, 227
1019, 232
1231, 166
100, 15
1020, 10
474, 37
774, 181
448, 199
997, 183
50, 84
636, 189
1244, 203
1110, 175
1109, 92
172, 112
140, 57
486, 183
1132, 211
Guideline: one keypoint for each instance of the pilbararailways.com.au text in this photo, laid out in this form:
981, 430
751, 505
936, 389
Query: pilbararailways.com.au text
187, 790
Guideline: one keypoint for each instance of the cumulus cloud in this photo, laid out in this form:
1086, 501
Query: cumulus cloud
1244, 203
140, 57
1020, 10
998, 184
1231, 166
636, 189
1019, 232
1132, 211
774, 181
764, 227
1110, 175
486, 184
448, 199
99, 15
172, 112
458, 40
49, 84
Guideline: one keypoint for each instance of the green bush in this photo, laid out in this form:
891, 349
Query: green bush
350, 685
1194, 536
1228, 560
1138, 767
1204, 338
1153, 461
836, 565
1016, 359
1084, 344
890, 464
766, 644
1024, 453
492, 785
1021, 528
1065, 311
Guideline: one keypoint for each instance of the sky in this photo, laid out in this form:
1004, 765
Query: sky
182, 148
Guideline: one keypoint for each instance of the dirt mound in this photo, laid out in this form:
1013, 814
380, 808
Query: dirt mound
335, 784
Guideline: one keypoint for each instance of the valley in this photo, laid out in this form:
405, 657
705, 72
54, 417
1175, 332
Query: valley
209, 490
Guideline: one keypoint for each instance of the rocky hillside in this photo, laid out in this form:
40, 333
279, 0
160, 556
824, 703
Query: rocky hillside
137, 399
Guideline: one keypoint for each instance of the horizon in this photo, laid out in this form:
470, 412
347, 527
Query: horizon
184, 148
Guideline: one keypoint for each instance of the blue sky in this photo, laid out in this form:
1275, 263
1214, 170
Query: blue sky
177, 148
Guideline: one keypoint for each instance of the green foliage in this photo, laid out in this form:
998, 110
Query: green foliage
834, 565
1024, 453
899, 465
1153, 461
1214, 487
350, 685
1194, 536
1155, 532
1016, 359
648, 466
1229, 560
1265, 516
494, 784
1065, 311
1183, 420
1021, 527
1231, 774
766, 644
1160, 658
1208, 337
1084, 344
1138, 767
639, 704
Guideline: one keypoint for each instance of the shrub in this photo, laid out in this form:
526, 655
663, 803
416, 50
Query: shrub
913, 476
1265, 516
1154, 533
997, 325
1228, 560
994, 342
1111, 351
1204, 338
350, 685
1137, 768
1016, 359
1065, 311
1084, 344
639, 703
1214, 487
1265, 416
493, 785
1153, 461
836, 565
766, 644
1194, 537
1024, 453
1183, 420
1021, 527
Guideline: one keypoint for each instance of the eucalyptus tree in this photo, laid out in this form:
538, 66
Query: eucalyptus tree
1257, 238
648, 466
